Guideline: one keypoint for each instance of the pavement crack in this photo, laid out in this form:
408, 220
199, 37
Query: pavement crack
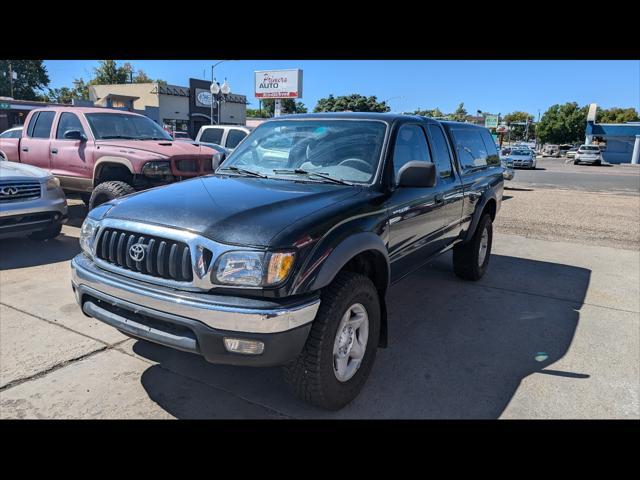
58, 366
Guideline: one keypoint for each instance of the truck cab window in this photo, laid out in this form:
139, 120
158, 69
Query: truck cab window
234, 137
42, 128
211, 135
411, 144
441, 153
472, 151
68, 121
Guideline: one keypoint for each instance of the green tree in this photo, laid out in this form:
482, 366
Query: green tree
520, 132
563, 124
434, 113
353, 103
617, 115
107, 73
287, 106
460, 115
31, 77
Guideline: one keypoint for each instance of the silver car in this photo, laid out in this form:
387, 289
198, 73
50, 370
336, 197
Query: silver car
522, 158
31, 202
588, 154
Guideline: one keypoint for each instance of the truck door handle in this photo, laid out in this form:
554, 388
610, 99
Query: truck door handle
25, 149
54, 150
439, 198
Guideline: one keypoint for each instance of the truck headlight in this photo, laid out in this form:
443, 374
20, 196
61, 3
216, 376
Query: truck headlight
52, 183
253, 269
88, 235
157, 169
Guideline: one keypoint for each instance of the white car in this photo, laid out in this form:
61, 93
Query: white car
588, 154
227, 136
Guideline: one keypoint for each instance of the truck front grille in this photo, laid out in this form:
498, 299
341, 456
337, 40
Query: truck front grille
161, 257
15, 191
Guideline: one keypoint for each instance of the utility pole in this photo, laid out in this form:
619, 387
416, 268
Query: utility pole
11, 79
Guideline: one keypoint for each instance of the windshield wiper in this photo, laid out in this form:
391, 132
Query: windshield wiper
246, 172
300, 171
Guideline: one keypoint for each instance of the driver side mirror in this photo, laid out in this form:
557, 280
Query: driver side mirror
75, 135
417, 174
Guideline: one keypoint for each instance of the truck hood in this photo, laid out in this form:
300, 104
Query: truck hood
231, 210
20, 171
165, 148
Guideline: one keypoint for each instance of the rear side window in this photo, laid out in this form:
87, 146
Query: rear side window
211, 135
42, 127
493, 158
440, 151
411, 144
11, 134
68, 121
472, 152
234, 137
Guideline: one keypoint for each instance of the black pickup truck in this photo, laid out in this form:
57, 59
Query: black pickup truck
285, 254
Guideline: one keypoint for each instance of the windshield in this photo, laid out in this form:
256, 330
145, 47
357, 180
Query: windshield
520, 152
347, 150
590, 148
118, 125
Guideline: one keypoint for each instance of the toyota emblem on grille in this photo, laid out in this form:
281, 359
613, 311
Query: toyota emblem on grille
8, 191
137, 251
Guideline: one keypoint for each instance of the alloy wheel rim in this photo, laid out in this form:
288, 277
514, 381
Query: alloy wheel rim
484, 246
350, 343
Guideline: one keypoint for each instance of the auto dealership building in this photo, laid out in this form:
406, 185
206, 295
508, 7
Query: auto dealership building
622, 139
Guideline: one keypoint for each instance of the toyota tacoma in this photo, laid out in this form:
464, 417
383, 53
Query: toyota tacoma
284, 256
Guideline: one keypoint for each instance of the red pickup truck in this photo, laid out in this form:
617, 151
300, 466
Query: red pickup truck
104, 153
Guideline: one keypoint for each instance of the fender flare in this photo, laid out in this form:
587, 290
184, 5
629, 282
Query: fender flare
345, 251
486, 197
112, 159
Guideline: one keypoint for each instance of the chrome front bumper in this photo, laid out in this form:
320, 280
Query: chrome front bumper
214, 311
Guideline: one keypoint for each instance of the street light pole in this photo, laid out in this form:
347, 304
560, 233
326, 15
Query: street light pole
212, 67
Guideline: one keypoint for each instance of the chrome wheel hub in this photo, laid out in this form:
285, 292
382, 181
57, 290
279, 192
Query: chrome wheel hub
350, 342
484, 246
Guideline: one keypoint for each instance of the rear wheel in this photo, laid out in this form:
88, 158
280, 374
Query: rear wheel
470, 259
108, 191
341, 348
576, 162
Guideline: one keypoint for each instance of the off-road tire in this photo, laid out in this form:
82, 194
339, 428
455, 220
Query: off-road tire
465, 255
48, 234
310, 376
108, 191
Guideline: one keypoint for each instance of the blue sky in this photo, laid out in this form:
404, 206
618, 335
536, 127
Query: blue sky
493, 86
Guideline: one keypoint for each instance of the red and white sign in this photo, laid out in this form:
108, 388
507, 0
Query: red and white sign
501, 129
278, 83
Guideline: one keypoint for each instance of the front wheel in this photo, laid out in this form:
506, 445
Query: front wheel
470, 259
108, 191
341, 348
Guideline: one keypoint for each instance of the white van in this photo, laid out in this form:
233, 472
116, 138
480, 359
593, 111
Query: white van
227, 136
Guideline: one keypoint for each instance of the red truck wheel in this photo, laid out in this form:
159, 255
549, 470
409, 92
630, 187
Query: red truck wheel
108, 191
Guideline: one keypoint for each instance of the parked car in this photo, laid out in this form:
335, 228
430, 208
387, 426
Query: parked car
551, 151
103, 153
571, 153
227, 136
563, 149
31, 202
181, 136
588, 154
287, 260
522, 158
9, 149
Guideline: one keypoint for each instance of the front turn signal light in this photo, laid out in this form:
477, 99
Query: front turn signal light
280, 264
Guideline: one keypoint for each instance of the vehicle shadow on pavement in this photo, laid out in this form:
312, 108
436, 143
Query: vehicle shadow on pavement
457, 349
20, 252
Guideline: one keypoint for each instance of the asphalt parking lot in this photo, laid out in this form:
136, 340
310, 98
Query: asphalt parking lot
552, 331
